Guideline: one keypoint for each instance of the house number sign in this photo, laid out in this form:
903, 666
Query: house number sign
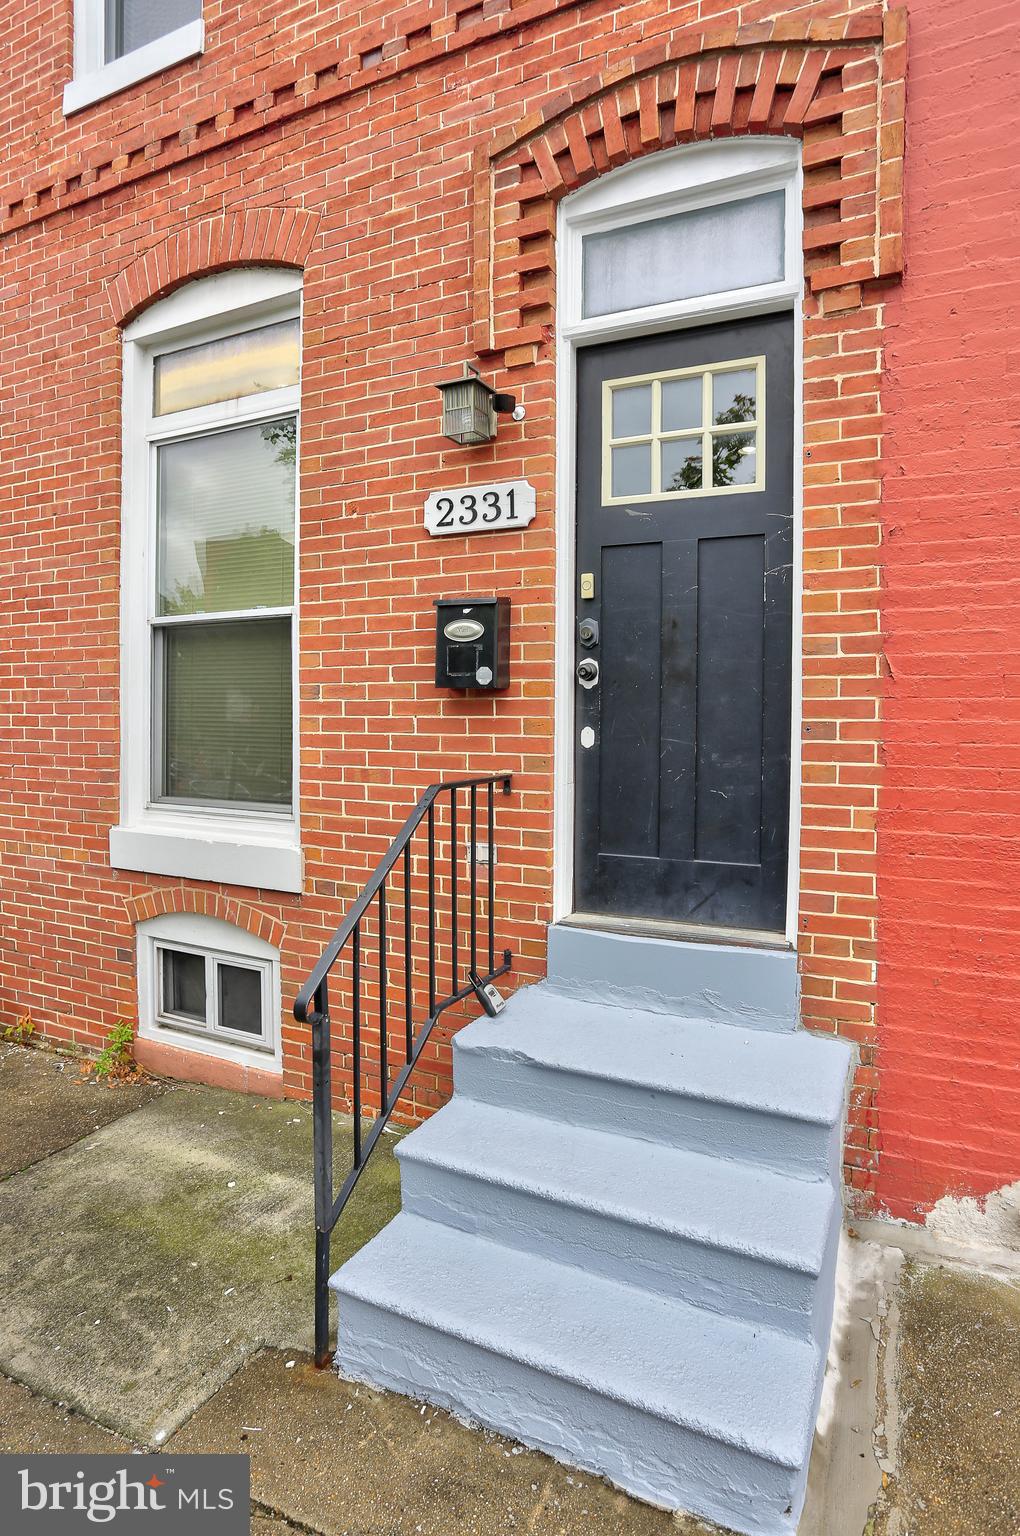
481, 508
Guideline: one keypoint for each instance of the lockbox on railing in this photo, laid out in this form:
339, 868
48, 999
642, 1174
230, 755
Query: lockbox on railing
473, 643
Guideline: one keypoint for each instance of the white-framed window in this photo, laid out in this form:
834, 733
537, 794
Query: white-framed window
208, 600
207, 986
118, 42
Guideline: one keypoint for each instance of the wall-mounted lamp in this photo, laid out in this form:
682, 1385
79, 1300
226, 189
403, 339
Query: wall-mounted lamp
470, 407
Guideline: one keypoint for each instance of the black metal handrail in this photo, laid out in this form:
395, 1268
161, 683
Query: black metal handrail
312, 1003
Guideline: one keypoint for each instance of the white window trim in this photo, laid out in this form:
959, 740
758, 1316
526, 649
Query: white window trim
213, 937
95, 79
670, 181
236, 847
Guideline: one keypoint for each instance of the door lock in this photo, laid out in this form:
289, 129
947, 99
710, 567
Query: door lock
588, 672
588, 633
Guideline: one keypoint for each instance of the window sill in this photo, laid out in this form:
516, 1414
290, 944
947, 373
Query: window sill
183, 43
193, 854
194, 1060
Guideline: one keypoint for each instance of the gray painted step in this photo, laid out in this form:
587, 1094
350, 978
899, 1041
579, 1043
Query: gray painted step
719, 1234
677, 1405
756, 988
618, 1240
772, 1099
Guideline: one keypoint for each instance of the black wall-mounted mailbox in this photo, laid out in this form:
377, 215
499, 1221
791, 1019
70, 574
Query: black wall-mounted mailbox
473, 643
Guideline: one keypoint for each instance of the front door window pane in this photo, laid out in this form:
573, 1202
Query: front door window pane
632, 470
632, 411
734, 396
227, 712
682, 403
130, 24
226, 520
684, 255
691, 447
681, 464
733, 459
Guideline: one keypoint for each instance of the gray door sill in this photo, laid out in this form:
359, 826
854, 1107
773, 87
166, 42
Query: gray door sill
689, 933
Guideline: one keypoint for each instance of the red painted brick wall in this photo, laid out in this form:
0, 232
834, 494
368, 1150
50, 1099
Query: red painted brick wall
949, 826
431, 145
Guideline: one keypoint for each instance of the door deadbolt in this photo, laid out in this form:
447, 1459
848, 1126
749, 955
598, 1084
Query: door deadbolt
588, 672
588, 632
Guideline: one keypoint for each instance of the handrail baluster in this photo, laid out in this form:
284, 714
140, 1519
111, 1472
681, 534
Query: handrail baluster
492, 881
356, 1040
408, 980
432, 910
474, 880
453, 891
384, 1074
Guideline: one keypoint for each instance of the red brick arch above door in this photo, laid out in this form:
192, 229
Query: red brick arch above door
273, 236
835, 83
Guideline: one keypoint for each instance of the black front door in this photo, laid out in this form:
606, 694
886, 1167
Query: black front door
683, 625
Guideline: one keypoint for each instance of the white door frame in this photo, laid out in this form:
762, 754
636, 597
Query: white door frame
666, 182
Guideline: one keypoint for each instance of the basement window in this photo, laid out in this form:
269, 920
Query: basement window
217, 994
119, 42
209, 986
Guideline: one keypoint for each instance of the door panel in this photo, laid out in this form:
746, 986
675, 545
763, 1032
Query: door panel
684, 518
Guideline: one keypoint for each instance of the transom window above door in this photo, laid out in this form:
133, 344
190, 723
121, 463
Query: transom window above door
696, 432
685, 255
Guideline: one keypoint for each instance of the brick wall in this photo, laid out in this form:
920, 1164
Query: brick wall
949, 974
410, 136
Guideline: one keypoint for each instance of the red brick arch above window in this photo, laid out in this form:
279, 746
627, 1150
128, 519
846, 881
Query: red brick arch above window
206, 904
835, 83
274, 236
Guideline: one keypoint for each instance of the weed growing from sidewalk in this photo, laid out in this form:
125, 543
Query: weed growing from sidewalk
19, 1033
116, 1061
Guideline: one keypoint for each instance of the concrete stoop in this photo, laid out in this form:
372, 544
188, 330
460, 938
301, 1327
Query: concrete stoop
618, 1240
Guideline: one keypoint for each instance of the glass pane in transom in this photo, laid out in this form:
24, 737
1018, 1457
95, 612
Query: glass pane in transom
228, 369
734, 396
684, 255
226, 520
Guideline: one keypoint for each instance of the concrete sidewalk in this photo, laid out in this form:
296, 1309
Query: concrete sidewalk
155, 1264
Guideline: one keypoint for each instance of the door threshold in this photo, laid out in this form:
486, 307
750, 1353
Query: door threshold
689, 933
